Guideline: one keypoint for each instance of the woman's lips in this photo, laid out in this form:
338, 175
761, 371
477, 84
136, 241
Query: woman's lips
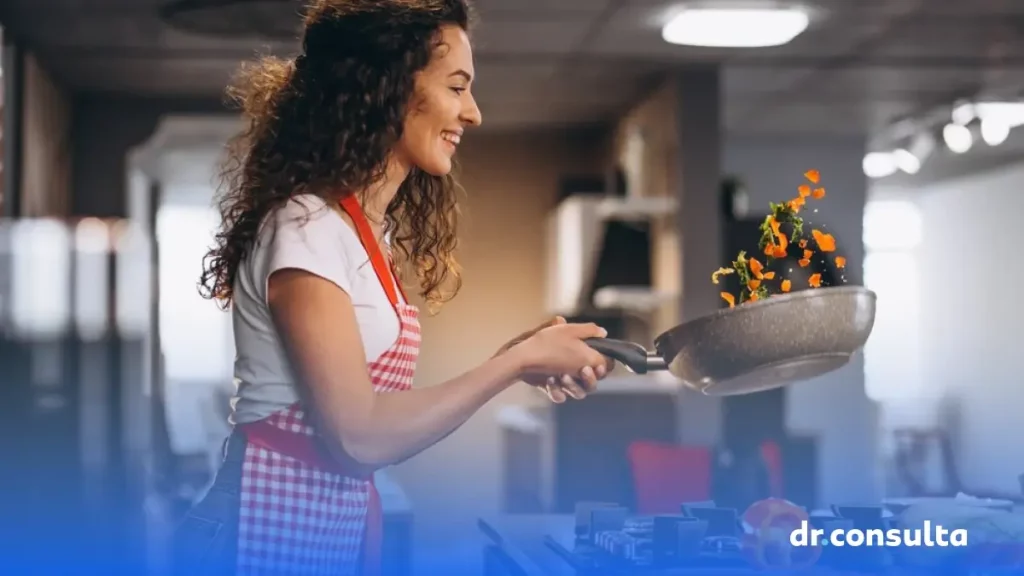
451, 139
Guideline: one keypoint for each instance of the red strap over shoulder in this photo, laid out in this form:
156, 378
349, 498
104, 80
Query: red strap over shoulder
350, 204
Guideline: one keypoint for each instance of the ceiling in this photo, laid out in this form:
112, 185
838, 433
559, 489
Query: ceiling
861, 65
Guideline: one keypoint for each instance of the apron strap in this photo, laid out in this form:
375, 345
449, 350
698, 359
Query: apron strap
385, 273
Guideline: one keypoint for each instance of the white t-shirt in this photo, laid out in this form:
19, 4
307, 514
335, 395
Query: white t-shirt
305, 234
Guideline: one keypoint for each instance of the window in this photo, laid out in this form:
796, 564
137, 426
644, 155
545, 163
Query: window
195, 334
41, 277
892, 357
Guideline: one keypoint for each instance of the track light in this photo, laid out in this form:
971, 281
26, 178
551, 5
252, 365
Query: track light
906, 161
958, 138
879, 164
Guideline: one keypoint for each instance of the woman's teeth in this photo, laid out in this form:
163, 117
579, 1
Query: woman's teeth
452, 138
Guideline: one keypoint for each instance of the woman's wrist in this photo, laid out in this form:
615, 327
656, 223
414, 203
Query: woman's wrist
513, 362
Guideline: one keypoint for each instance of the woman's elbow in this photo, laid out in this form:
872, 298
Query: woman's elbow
355, 444
363, 454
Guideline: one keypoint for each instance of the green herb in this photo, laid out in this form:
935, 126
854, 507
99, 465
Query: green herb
745, 275
783, 213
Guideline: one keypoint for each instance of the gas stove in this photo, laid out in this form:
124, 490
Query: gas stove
610, 539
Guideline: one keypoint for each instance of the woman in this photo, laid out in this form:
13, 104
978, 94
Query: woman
343, 177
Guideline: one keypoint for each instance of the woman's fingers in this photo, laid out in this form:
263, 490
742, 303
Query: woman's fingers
567, 386
554, 391
588, 378
572, 388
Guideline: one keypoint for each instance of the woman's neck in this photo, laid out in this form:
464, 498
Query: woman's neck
376, 198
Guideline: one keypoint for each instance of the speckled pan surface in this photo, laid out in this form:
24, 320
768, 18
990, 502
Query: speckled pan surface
772, 343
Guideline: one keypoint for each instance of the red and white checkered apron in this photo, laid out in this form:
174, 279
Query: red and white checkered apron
303, 512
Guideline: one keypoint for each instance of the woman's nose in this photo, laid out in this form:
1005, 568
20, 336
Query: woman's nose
471, 113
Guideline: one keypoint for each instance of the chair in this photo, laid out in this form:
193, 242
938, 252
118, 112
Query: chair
667, 475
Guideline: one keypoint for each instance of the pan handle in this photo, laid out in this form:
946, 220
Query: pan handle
629, 354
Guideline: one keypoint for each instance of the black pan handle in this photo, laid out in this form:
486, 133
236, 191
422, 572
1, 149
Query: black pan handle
629, 354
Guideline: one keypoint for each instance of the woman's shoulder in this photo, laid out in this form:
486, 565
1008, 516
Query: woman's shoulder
305, 215
304, 208
309, 219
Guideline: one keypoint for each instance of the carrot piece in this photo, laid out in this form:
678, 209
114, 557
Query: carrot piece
777, 244
826, 242
756, 268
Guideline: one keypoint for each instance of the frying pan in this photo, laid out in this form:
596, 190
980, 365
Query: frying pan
758, 345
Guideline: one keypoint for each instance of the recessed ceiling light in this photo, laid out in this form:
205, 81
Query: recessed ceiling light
735, 28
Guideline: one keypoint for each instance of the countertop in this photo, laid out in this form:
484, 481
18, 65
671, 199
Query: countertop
522, 539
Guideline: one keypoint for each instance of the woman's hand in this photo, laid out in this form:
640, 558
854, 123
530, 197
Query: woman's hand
539, 381
555, 359
556, 321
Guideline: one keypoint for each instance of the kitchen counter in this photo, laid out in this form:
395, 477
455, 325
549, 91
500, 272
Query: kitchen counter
517, 545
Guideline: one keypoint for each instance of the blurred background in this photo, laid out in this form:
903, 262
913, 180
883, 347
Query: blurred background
618, 166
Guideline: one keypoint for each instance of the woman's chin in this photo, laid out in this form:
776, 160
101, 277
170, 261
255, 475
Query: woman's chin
437, 167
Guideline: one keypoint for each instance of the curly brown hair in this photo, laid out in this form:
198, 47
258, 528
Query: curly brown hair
325, 123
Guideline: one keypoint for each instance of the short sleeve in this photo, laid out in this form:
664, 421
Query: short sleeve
307, 235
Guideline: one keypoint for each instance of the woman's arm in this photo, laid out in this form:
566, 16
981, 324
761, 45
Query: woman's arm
317, 326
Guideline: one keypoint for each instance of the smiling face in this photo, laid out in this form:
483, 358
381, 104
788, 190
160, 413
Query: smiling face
443, 106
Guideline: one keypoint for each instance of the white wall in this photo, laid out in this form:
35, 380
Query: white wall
970, 318
834, 407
